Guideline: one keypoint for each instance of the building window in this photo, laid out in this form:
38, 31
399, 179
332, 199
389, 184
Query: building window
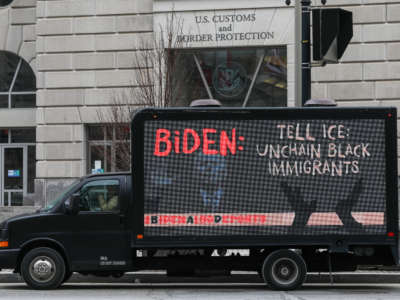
5, 2
17, 165
17, 82
108, 148
18, 136
236, 77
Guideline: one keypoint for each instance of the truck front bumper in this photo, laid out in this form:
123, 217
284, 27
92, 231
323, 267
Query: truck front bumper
8, 258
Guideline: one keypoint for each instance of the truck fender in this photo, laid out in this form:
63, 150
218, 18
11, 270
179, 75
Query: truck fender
42, 242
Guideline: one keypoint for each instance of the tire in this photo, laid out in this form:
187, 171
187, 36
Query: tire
43, 269
67, 276
284, 270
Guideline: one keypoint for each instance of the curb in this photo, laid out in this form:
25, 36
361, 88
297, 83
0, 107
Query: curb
160, 278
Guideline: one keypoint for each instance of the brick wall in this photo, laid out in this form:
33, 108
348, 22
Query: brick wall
17, 29
369, 72
84, 59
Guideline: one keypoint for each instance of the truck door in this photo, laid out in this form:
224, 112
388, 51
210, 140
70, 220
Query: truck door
99, 240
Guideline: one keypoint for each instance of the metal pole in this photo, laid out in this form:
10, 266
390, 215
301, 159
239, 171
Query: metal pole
202, 76
253, 80
306, 50
298, 56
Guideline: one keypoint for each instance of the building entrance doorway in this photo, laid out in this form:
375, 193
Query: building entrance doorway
13, 174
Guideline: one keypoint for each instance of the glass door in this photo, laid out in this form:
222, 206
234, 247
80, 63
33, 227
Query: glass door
13, 181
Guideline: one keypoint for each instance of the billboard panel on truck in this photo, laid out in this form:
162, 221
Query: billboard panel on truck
321, 174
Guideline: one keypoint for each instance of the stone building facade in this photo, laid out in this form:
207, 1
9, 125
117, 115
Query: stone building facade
82, 52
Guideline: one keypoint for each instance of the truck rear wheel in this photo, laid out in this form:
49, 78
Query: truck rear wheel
284, 270
43, 268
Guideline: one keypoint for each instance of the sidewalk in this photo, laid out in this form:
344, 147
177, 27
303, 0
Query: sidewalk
373, 277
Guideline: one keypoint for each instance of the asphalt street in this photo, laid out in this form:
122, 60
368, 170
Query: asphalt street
202, 291
240, 286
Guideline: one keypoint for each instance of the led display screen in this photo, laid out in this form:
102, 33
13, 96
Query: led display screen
264, 177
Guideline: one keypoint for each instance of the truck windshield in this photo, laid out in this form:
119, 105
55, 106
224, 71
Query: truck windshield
60, 196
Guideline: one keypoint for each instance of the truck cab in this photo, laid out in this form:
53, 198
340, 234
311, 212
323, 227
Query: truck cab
86, 226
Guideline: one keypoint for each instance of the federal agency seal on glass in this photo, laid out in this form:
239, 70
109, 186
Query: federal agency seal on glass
229, 79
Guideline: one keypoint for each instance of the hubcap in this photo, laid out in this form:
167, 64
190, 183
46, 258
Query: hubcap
285, 271
42, 269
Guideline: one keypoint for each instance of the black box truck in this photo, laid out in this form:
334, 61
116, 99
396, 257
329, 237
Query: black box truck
299, 190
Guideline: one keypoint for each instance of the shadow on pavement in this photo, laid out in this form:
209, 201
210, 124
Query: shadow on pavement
355, 288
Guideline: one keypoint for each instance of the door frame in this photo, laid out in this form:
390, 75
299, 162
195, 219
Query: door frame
24, 171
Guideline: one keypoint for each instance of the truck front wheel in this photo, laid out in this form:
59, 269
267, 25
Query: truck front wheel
284, 270
43, 268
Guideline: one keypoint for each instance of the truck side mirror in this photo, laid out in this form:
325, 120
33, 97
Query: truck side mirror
72, 204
